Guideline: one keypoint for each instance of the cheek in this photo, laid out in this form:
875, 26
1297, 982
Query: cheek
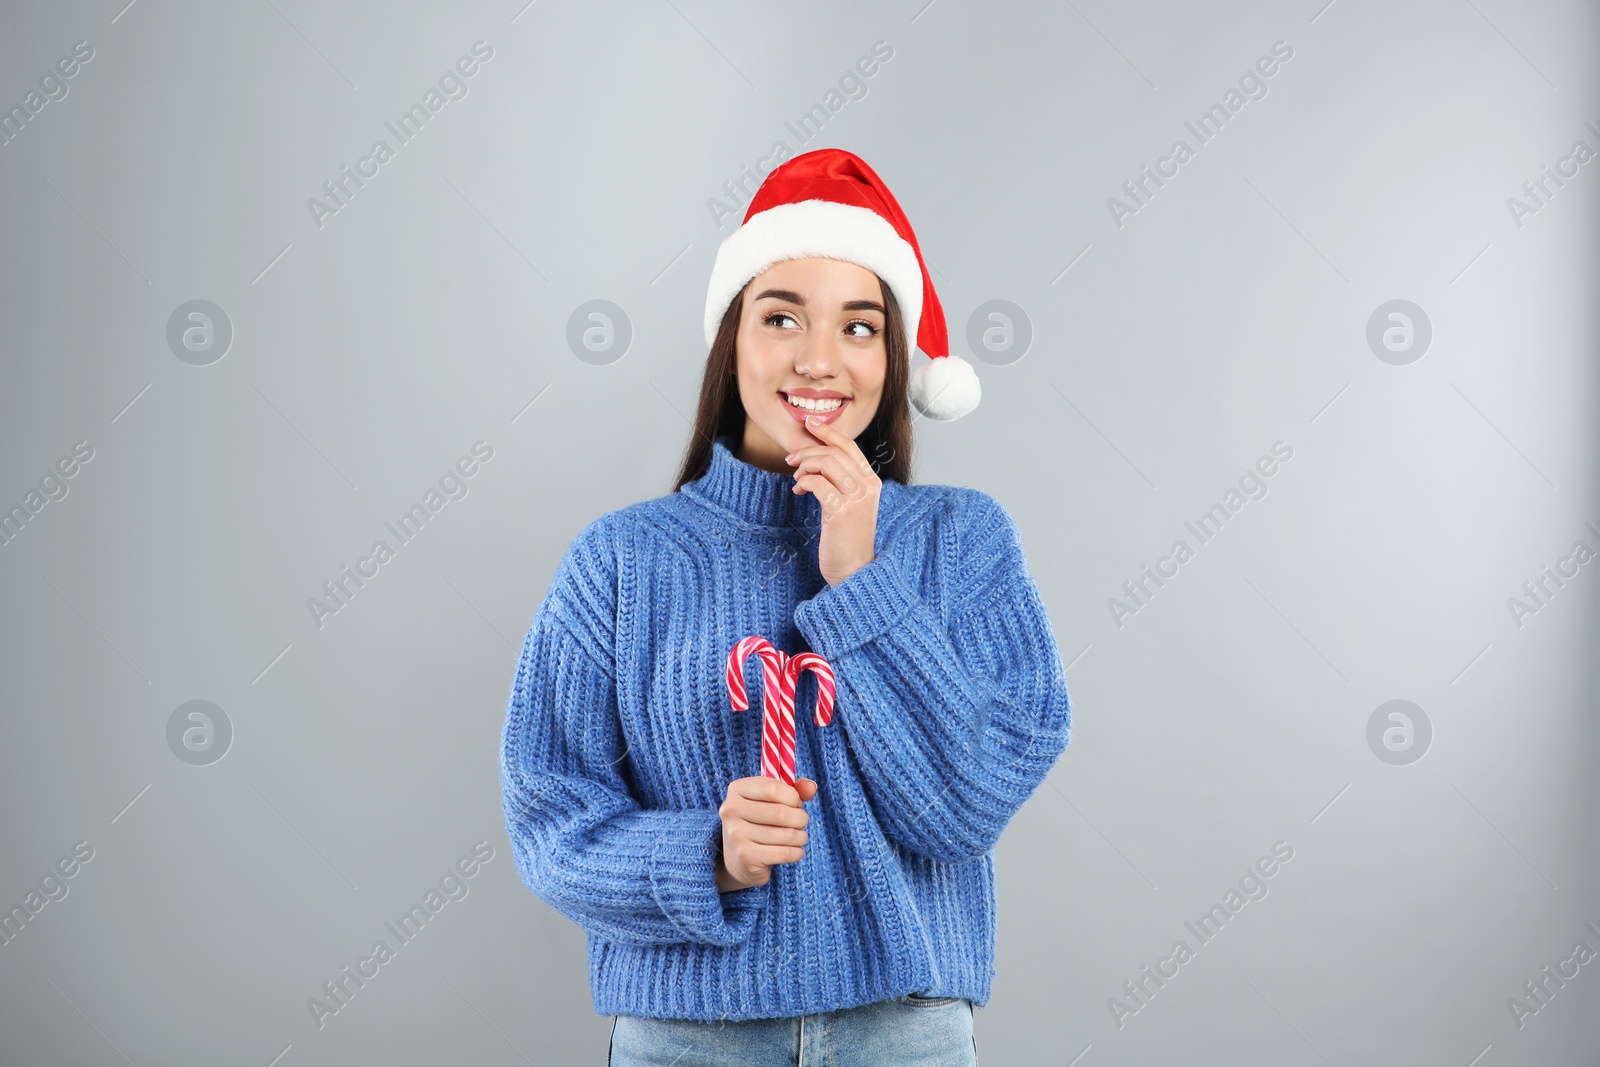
747, 349
871, 372
758, 360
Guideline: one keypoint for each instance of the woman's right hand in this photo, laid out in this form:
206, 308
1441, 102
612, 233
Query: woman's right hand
763, 824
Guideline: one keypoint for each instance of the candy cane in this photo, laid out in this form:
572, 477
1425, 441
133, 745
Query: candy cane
817, 665
735, 672
780, 674
777, 713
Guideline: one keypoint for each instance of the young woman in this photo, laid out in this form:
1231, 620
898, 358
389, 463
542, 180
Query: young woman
731, 917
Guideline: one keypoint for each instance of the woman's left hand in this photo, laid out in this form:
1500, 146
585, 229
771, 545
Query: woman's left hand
837, 472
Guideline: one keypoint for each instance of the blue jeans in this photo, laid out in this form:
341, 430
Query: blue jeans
908, 1031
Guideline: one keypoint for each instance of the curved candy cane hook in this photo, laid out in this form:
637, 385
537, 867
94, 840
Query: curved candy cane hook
811, 661
771, 662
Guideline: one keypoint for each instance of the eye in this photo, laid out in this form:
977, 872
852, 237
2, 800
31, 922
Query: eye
872, 331
771, 319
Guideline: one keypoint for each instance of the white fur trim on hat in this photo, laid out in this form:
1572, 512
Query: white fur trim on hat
822, 228
946, 388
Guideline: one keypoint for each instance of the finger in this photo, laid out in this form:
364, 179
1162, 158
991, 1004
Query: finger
808, 450
762, 813
760, 787
816, 444
747, 815
771, 855
848, 474
829, 434
792, 836
817, 468
816, 483
825, 430
826, 491
758, 814
840, 471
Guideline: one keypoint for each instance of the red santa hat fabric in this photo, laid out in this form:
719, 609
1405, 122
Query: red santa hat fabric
829, 203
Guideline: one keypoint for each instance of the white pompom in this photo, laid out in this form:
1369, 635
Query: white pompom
946, 388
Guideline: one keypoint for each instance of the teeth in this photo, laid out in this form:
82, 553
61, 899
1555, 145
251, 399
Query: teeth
814, 405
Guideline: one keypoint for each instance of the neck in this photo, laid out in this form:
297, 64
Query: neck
759, 450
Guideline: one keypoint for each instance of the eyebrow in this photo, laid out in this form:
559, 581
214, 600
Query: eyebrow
795, 298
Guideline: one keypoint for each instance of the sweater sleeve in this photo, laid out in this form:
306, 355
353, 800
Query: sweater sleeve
953, 727
580, 840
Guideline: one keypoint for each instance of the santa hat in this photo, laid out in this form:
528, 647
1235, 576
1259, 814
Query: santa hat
829, 203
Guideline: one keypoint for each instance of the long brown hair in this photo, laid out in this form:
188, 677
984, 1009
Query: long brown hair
886, 442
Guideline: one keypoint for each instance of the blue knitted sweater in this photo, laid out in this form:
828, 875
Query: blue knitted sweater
619, 744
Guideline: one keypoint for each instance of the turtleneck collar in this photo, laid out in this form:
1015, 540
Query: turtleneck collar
756, 496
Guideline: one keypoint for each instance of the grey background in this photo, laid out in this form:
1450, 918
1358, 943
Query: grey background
431, 312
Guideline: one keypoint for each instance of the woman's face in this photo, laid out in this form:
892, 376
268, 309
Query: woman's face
812, 330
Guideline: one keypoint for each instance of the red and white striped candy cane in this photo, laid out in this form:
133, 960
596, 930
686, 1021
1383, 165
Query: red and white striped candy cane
777, 713
802, 661
780, 674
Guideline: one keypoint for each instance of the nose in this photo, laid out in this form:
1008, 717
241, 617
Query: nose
818, 357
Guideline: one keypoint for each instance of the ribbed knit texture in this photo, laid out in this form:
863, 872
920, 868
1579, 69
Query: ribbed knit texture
620, 742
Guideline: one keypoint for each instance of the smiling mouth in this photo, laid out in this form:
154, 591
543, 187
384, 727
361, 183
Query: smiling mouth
819, 406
